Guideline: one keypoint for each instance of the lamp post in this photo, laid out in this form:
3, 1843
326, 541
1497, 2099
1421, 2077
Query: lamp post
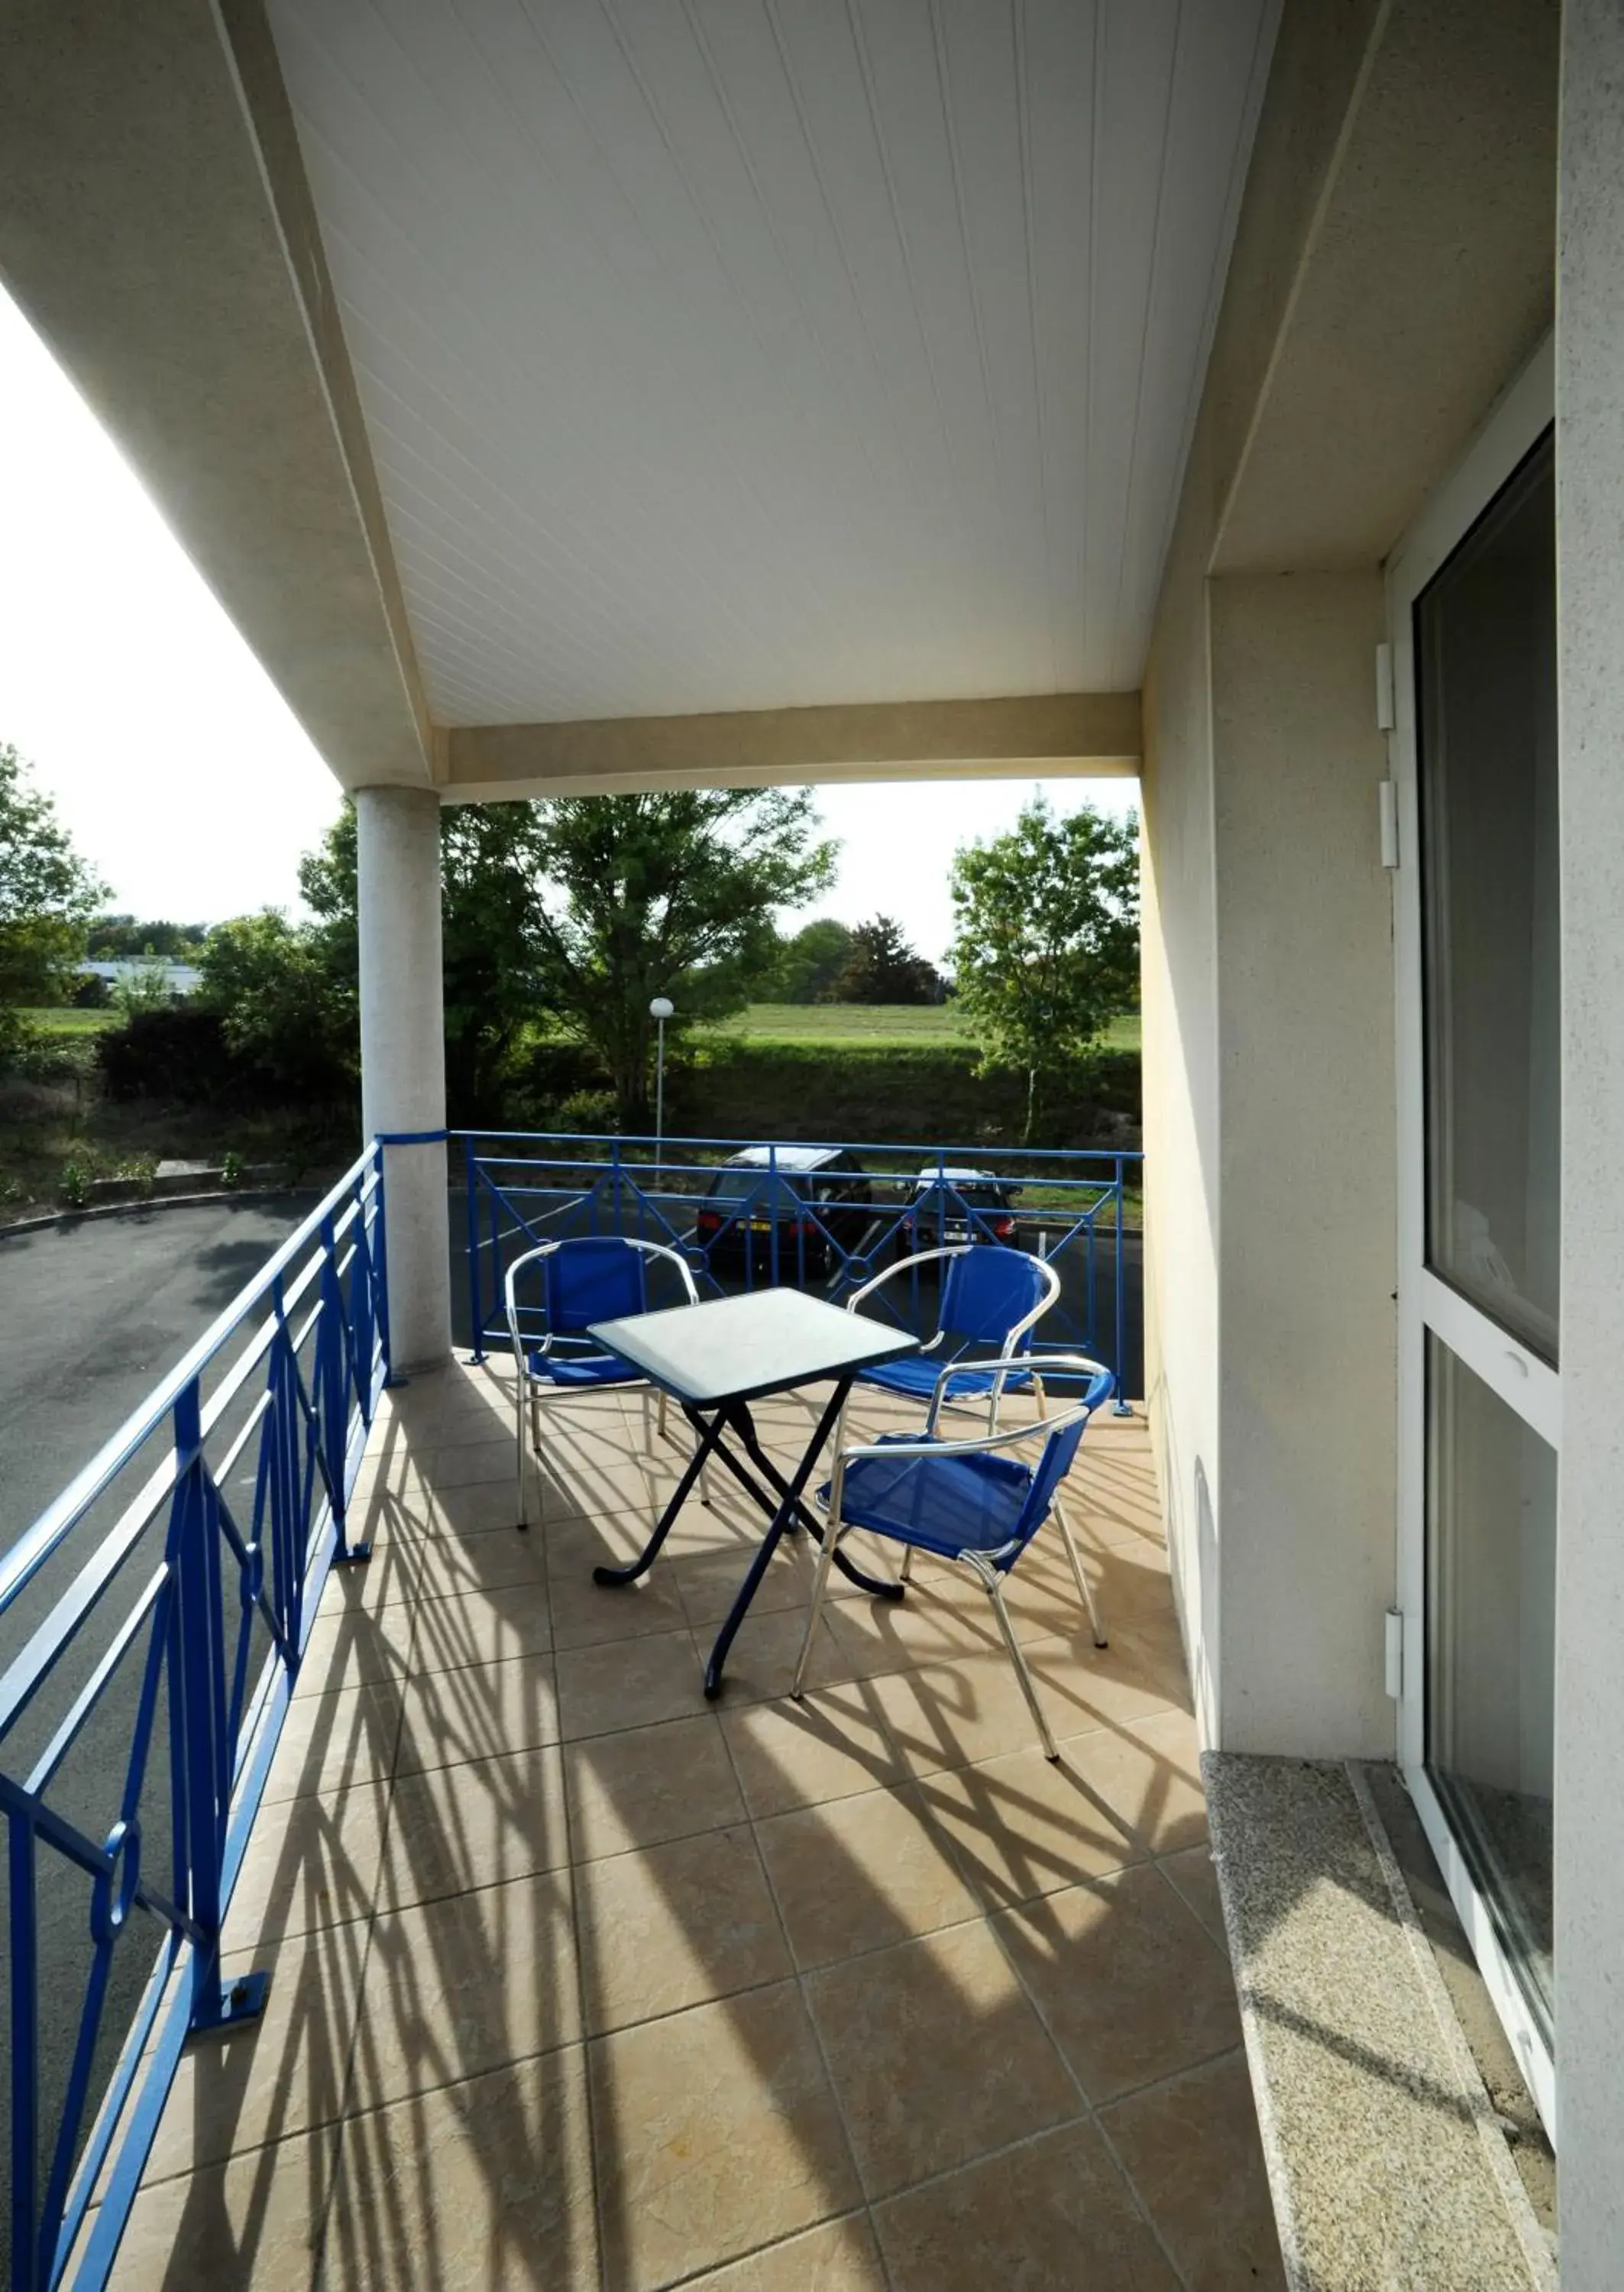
660, 1010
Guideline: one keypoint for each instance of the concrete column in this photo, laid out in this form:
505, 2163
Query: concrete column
403, 1055
1589, 1541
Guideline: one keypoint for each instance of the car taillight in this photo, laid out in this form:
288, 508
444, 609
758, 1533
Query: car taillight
708, 1222
1003, 1228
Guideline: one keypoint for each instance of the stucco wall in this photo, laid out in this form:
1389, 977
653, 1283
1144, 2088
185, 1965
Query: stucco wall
1590, 1539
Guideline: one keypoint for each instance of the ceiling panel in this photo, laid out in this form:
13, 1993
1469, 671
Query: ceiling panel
761, 353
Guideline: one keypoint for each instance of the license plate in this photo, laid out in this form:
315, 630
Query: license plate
760, 1225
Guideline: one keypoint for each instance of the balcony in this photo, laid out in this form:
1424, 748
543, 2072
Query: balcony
575, 1978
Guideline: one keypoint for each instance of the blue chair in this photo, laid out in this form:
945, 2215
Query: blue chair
991, 1297
592, 1278
970, 1501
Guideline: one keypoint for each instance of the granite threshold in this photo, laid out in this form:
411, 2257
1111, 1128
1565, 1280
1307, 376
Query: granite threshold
1386, 2157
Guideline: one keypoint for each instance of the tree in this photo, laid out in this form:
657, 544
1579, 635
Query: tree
808, 964
883, 968
287, 1011
1046, 950
47, 897
667, 894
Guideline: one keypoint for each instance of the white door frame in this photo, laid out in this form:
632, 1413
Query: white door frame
1527, 1385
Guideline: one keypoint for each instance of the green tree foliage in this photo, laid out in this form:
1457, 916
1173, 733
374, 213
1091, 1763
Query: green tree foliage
667, 894
809, 963
882, 967
122, 939
1046, 949
47, 897
287, 1013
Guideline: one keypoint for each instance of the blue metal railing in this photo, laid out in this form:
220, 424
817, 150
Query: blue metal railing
155, 1618
827, 1229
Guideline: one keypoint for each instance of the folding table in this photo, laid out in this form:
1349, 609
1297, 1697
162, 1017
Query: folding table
714, 1359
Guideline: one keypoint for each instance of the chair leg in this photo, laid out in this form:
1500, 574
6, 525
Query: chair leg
521, 1401
1028, 1685
905, 1572
1083, 1586
820, 1586
1038, 1395
660, 1424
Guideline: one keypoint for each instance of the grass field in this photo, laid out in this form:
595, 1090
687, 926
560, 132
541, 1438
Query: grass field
65, 1019
868, 1024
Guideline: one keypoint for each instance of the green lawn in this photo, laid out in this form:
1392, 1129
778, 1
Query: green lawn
838, 1024
65, 1019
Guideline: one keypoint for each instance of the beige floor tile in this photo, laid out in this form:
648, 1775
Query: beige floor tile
1191, 2149
1131, 1984
473, 1462
456, 1986
452, 1564
956, 1715
329, 1742
589, 1614
481, 1508
647, 1784
1023, 1825
1194, 1875
387, 1580
488, 1627
282, 2073
841, 2256
352, 1648
386, 1515
450, 1717
250, 2225
470, 2187
715, 2132
1149, 1772
761, 1661
860, 1874
829, 1745
628, 1683
673, 1926
312, 1862
936, 2056
874, 1636
1054, 2215
480, 1825
708, 1582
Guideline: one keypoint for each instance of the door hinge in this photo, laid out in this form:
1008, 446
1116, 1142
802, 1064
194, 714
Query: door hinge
1386, 714
1394, 1654
1387, 802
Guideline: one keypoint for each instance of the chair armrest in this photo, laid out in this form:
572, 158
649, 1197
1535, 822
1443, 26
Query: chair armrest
919, 1257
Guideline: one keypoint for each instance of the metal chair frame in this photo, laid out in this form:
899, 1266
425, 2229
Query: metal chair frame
989, 1567
1010, 1341
531, 1388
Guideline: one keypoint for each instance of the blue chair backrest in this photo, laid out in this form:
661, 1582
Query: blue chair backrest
1053, 1465
988, 1290
597, 1278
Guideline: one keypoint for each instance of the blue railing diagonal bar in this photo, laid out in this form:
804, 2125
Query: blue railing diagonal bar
175, 1582
775, 1224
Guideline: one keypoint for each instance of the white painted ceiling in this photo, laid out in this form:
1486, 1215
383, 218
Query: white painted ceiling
757, 353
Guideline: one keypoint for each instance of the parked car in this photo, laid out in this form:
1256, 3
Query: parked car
822, 1201
951, 1207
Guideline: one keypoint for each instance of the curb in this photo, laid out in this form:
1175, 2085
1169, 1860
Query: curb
59, 1219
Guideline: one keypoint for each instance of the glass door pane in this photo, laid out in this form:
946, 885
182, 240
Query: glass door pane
1485, 656
1491, 1588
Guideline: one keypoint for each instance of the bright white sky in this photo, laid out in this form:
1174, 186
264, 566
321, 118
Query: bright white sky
180, 773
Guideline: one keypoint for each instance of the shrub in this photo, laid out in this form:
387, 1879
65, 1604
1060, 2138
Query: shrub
180, 1054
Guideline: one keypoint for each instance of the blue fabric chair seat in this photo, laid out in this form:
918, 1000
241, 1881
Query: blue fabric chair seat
946, 1505
916, 1377
579, 1369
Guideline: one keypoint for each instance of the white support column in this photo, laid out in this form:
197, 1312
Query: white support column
403, 1055
1589, 1872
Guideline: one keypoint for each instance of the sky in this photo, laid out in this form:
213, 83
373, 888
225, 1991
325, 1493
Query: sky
180, 771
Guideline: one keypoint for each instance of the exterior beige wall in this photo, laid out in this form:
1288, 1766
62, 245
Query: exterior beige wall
1307, 1163
1356, 352
1589, 1544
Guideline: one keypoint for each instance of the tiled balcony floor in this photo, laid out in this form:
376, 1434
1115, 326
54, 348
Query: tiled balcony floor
580, 1981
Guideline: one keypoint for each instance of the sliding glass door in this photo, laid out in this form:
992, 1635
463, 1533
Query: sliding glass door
1472, 598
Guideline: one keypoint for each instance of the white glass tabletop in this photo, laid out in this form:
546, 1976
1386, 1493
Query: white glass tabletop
743, 1348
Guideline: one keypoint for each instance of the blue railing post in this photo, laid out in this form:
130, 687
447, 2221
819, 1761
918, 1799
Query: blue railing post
1123, 1407
476, 1298
24, 1917
202, 1772
381, 1225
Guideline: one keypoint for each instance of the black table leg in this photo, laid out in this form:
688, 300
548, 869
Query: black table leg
878, 1588
793, 1490
709, 1438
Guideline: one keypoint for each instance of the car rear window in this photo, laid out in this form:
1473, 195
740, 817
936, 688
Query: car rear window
740, 1185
